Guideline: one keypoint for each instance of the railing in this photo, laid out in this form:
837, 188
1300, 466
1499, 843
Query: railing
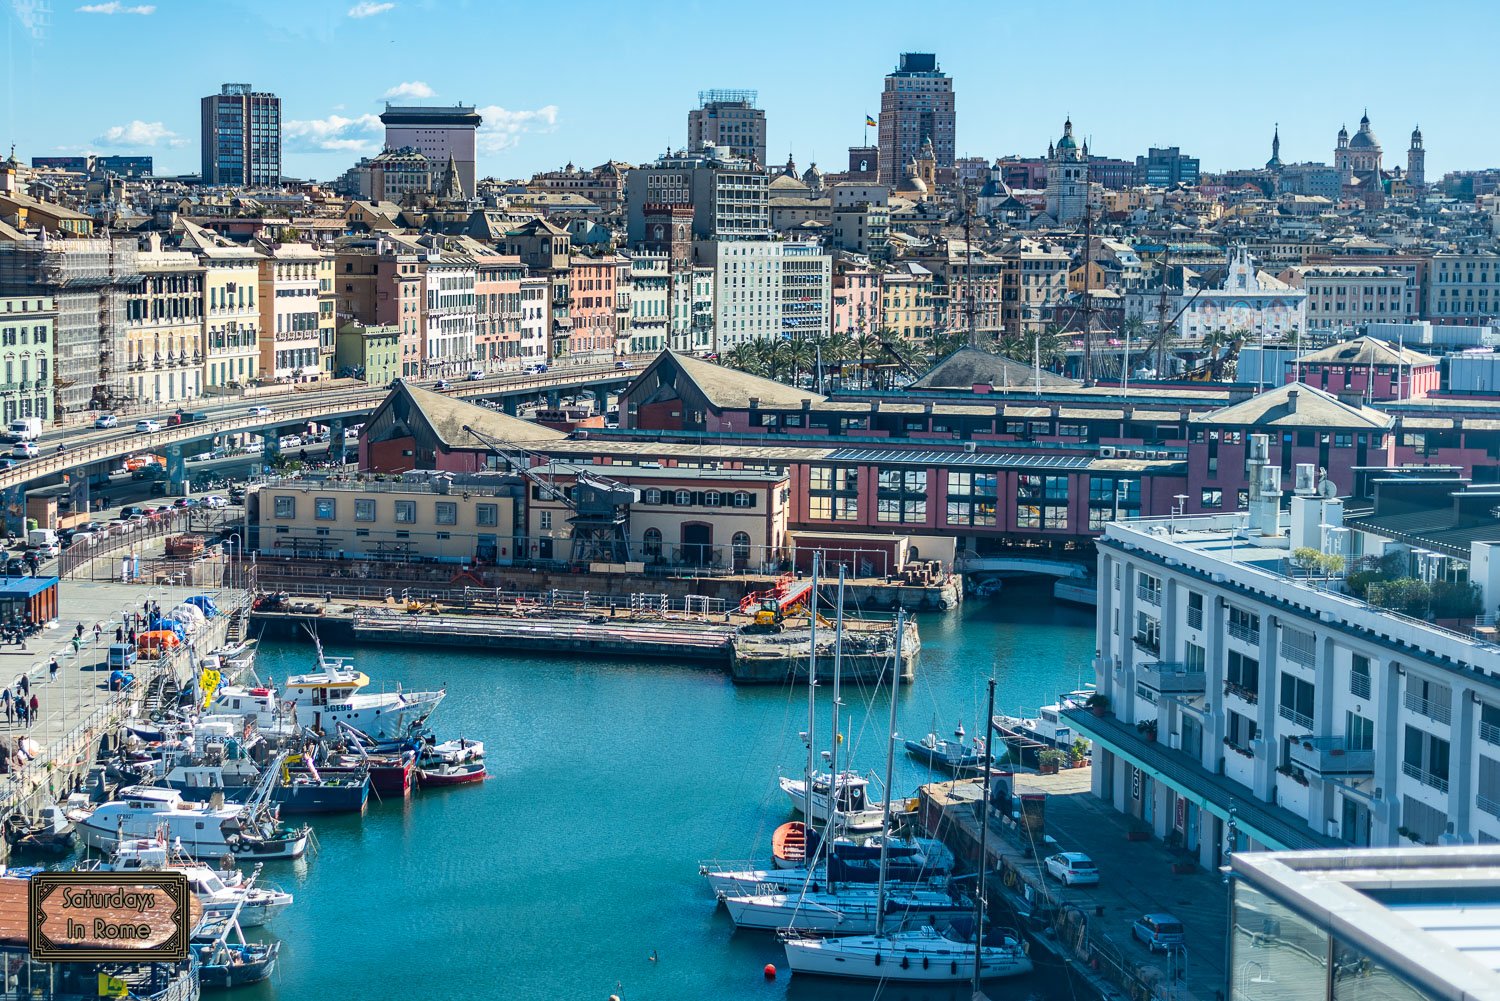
1423, 776
1359, 685
1150, 644
1288, 713
1245, 633
1488, 805
1331, 756
81, 554
1250, 695
1438, 711
1489, 733
1195, 618
1150, 594
1172, 678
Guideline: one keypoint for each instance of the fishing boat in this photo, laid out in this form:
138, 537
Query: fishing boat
223, 957
309, 790
220, 892
334, 693
789, 845
453, 752
918, 954
956, 755
49, 833
452, 775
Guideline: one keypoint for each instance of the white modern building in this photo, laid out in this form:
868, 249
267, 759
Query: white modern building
535, 293
806, 291
747, 289
449, 325
1245, 694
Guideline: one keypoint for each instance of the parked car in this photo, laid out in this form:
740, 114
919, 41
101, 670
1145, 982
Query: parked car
131, 510
121, 526
45, 551
200, 457
147, 427
622, 364
79, 538
23, 450
537, 369
260, 411
106, 421
91, 526
15, 568
1160, 931
1072, 868
215, 503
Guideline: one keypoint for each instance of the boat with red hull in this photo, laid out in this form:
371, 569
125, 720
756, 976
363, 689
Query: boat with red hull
452, 775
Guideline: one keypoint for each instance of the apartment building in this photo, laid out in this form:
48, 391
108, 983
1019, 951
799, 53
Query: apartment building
497, 313
906, 302
1035, 279
379, 282
232, 315
448, 321
729, 196
535, 322
593, 307
1463, 288
328, 322
855, 299
164, 326
651, 303
547, 251
747, 290
1248, 693
28, 331
806, 290
291, 341
1341, 297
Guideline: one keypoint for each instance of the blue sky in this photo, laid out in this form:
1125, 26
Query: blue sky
586, 81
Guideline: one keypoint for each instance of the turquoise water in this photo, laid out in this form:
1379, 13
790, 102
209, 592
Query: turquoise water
609, 782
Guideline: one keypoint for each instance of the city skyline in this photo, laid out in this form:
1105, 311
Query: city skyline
542, 110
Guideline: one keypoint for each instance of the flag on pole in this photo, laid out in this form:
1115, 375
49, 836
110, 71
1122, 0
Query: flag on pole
869, 122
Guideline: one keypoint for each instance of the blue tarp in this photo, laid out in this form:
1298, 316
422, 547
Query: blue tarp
204, 603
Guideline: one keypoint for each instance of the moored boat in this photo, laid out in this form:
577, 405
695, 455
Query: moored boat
452, 775
789, 845
50, 832
957, 754
921, 955
223, 957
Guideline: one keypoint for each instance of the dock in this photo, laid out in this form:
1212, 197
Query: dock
637, 626
1089, 927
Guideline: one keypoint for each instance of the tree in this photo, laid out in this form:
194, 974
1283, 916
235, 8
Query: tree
864, 345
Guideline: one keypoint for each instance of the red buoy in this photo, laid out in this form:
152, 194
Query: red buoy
770, 971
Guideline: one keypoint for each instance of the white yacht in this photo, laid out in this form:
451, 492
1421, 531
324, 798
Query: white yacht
205, 830
218, 895
856, 811
849, 911
922, 955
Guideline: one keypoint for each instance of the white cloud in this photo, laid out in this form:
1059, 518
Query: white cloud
367, 9
335, 133
413, 88
115, 7
503, 128
139, 133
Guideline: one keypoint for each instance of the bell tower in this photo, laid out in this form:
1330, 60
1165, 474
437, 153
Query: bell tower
1416, 160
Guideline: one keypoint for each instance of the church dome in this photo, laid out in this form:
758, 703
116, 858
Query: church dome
1364, 138
1067, 141
812, 177
911, 184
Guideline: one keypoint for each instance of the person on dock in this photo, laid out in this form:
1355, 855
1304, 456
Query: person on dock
20, 711
78, 630
52, 666
25, 684
36, 705
119, 634
10, 706
98, 632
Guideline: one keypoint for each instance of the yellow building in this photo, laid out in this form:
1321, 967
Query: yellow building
231, 275
164, 316
290, 311
906, 301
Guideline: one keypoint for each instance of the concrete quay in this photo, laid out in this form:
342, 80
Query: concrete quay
1089, 927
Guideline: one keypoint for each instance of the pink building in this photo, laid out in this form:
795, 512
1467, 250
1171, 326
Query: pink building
1369, 369
593, 307
497, 308
856, 298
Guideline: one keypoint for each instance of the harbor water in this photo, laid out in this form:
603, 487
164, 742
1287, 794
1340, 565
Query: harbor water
576, 863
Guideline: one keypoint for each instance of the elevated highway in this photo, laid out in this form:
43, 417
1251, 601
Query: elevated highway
89, 449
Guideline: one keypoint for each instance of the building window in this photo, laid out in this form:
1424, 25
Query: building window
1296, 705
1299, 646
1242, 676
364, 510
711, 498
682, 498
486, 515
653, 496
324, 509
740, 545
651, 543
406, 512
445, 513
1359, 732
286, 507
545, 520
1112, 498
972, 498
1041, 501
743, 499
1211, 498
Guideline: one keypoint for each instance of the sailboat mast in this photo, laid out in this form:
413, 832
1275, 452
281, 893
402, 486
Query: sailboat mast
890, 775
984, 837
812, 699
838, 663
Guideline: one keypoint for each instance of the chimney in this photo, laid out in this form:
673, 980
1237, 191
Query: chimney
755, 403
1291, 401
927, 408
806, 405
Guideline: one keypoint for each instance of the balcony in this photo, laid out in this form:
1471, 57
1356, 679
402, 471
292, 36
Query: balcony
1331, 756
1488, 805
1172, 678
1250, 695
1149, 643
1423, 776
1239, 632
1195, 618
1439, 712
1359, 686
1489, 733
1151, 594
1293, 716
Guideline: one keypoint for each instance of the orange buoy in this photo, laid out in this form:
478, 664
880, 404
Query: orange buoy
770, 971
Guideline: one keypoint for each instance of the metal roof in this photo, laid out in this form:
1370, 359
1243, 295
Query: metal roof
948, 457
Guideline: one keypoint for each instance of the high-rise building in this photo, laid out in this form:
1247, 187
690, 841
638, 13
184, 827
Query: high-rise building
917, 104
440, 133
241, 137
730, 197
1164, 167
729, 118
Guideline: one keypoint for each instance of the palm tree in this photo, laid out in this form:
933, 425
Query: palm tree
864, 345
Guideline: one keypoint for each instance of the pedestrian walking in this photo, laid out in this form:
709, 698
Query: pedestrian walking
36, 705
21, 710
98, 632
52, 666
78, 630
25, 684
10, 706
119, 634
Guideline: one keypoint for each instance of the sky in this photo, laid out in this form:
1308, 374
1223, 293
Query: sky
589, 81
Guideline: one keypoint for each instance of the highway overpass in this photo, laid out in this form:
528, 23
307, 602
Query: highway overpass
90, 450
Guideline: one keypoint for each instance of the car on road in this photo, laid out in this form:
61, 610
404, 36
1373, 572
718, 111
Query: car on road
215, 503
131, 510
537, 369
185, 502
476, 374
23, 450
79, 538
1159, 931
121, 526
260, 411
1072, 868
15, 568
147, 427
200, 457
91, 526
45, 551
442, 384
622, 364
106, 421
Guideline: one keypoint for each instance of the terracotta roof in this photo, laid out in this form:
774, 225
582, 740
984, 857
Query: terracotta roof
1296, 405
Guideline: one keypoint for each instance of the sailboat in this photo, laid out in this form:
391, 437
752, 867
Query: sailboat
922, 954
847, 910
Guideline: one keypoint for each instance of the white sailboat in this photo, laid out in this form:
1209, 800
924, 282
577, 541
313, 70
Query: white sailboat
920, 954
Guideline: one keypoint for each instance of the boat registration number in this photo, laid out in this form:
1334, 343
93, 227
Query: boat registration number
335, 707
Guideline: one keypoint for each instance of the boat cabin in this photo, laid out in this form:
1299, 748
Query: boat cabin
325, 689
851, 792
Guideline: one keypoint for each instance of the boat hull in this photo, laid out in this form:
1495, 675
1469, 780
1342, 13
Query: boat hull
253, 914
922, 959
939, 759
840, 914
451, 776
251, 971
862, 821
323, 797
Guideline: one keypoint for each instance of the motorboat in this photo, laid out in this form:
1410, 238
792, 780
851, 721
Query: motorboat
205, 830
452, 775
1028, 735
855, 810
920, 955
453, 752
220, 893
846, 911
915, 864
224, 959
956, 754
313, 791
789, 845
50, 832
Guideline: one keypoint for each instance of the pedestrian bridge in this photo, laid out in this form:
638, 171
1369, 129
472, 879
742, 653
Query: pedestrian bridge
1020, 564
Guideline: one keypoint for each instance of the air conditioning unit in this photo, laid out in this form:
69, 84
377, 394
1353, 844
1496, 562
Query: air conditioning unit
1106, 451
970, 446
